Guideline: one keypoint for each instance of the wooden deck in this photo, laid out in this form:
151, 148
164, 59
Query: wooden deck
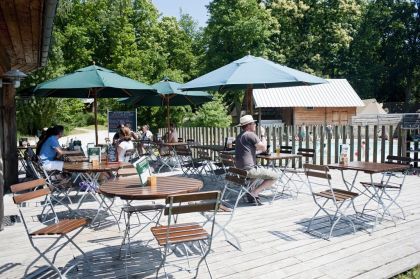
273, 241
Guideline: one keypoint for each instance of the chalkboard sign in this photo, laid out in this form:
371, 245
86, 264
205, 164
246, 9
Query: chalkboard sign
411, 121
112, 154
115, 118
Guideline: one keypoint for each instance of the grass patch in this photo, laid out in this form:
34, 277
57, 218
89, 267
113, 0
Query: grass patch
413, 273
86, 129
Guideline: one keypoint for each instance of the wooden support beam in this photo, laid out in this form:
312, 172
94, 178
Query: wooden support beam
1, 166
8, 112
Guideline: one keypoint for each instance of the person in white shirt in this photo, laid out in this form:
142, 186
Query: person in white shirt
124, 143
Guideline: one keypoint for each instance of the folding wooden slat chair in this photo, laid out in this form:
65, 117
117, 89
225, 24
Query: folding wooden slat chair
340, 199
294, 176
174, 234
387, 191
236, 186
59, 230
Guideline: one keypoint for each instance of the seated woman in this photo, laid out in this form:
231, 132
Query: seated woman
49, 149
173, 134
146, 136
124, 143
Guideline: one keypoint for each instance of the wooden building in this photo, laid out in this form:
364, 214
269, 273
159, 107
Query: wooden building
25, 28
333, 103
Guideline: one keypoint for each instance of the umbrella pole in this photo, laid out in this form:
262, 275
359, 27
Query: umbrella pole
167, 115
95, 105
248, 100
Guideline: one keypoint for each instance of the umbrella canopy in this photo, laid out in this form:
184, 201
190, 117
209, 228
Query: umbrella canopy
170, 95
169, 91
251, 72
80, 84
93, 82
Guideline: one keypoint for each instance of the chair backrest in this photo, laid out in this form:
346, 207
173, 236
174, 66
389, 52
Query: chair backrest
307, 153
204, 155
129, 155
19, 198
192, 202
229, 140
182, 150
28, 185
180, 140
286, 149
317, 171
236, 176
390, 159
228, 160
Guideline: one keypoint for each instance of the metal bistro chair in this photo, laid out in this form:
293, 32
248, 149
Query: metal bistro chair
59, 231
341, 199
141, 211
236, 186
190, 166
389, 188
294, 176
182, 233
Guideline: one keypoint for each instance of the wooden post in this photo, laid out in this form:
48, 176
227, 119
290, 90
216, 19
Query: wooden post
336, 144
351, 144
367, 143
1, 163
95, 107
391, 141
248, 100
375, 143
321, 145
8, 133
359, 143
383, 144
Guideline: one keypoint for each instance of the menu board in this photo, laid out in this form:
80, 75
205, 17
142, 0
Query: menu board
143, 169
94, 153
112, 154
127, 118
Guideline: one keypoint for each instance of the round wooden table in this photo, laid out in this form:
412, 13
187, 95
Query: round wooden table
83, 167
130, 188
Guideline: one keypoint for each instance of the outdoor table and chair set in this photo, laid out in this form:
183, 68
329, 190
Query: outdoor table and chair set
182, 195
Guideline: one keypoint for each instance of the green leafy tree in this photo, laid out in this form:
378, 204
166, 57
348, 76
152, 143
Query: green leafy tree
211, 114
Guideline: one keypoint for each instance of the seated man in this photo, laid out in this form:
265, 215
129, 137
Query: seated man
247, 146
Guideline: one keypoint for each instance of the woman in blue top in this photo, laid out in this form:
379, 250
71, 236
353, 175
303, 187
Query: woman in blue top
49, 149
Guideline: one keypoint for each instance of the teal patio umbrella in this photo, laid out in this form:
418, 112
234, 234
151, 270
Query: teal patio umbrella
251, 72
93, 82
169, 95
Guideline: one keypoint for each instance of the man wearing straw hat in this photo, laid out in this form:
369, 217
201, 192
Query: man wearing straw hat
247, 145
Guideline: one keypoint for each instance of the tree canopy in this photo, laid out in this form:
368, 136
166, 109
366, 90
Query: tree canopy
374, 44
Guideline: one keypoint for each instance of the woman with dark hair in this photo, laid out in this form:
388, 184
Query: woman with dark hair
49, 149
124, 143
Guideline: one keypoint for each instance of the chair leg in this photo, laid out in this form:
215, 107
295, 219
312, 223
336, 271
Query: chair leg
162, 263
203, 258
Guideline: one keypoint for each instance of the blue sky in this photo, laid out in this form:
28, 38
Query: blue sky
196, 8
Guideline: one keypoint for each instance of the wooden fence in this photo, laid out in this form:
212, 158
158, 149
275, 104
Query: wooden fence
370, 143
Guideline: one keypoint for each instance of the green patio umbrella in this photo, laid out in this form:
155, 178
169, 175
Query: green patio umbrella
169, 95
251, 72
93, 82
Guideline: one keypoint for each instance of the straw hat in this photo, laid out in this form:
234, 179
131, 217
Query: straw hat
246, 119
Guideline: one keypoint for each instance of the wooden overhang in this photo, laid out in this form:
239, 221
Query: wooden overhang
25, 28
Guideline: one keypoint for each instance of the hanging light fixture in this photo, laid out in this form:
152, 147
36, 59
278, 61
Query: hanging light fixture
12, 77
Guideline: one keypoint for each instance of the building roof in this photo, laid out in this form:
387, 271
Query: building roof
335, 93
26, 28
371, 107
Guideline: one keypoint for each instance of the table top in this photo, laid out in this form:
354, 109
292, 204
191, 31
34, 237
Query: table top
369, 167
81, 158
73, 152
281, 156
25, 147
88, 167
213, 147
130, 189
174, 143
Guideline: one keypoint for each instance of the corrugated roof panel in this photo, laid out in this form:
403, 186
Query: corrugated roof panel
335, 93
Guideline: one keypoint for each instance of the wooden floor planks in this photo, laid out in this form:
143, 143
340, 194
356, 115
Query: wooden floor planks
273, 241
